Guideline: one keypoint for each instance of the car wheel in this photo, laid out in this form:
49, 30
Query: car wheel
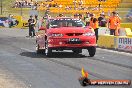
92, 51
39, 51
77, 51
48, 51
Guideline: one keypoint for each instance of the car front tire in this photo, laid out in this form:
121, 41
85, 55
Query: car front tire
92, 51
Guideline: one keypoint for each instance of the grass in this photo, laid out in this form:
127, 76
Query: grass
7, 4
7, 9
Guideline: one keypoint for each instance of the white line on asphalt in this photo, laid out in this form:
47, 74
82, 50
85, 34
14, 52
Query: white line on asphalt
27, 50
117, 52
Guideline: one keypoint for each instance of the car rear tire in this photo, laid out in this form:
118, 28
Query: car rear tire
77, 51
39, 51
48, 51
92, 51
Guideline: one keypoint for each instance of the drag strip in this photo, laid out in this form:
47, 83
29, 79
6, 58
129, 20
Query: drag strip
62, 69
65, 64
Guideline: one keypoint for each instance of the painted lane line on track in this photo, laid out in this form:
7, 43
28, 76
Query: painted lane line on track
117, 52
27, 49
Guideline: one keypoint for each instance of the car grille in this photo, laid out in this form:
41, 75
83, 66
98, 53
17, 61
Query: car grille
74, 34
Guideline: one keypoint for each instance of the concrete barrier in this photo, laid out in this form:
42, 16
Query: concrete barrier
106, 41
128, 32
115, 42
122, 32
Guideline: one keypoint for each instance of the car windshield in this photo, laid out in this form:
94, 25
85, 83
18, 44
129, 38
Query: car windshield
66, 23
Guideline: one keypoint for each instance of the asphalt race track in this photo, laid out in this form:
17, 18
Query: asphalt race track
23, 67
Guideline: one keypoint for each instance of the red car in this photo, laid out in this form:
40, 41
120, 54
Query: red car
67, 34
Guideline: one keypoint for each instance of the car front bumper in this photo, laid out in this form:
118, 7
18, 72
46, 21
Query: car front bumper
65, 43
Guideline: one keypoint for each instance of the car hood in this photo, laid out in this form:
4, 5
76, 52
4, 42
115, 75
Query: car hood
69, 30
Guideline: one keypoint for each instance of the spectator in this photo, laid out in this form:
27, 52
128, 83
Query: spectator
22, 3
41, 21
31, 26
94, 25
35, 6
80, 16
80, 3
99, 6
76, 16
113, 22
118, 25
46, 13
61, 15
100, 18
68, 8
56, 5
10, 22
75, 3
50, 5
101, 0
60, 6
103, 22
109, 13
36, 23
96, 8
87, 19
32, 5
102, 12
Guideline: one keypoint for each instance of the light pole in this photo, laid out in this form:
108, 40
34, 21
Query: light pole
1, 6
21, 9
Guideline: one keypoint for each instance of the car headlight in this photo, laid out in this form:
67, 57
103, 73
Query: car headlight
56, 35
89, 34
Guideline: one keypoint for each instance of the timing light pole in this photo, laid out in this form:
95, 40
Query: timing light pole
1, 6
21, 9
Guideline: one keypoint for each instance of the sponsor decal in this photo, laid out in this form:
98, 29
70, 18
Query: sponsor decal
125, 44
4, 22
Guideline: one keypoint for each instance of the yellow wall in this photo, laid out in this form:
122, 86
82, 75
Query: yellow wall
126, 25
22, 23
